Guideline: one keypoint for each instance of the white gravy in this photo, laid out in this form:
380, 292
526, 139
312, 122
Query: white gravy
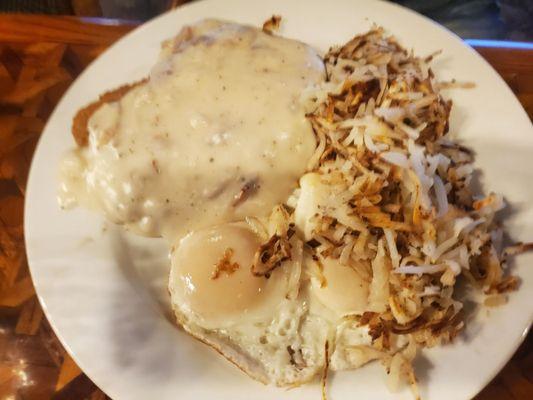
218, 133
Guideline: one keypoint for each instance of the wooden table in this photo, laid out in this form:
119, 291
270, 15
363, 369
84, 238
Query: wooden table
39, 58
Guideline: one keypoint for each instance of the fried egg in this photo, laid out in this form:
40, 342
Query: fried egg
252, 320
276, 328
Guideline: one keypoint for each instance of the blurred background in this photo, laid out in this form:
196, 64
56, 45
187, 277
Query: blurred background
479, 19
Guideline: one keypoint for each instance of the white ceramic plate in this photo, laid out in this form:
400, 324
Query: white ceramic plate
102, 290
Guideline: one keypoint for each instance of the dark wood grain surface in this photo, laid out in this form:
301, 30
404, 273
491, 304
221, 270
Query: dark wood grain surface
39, 58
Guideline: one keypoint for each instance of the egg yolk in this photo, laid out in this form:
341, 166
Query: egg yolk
211, 278
344, 291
